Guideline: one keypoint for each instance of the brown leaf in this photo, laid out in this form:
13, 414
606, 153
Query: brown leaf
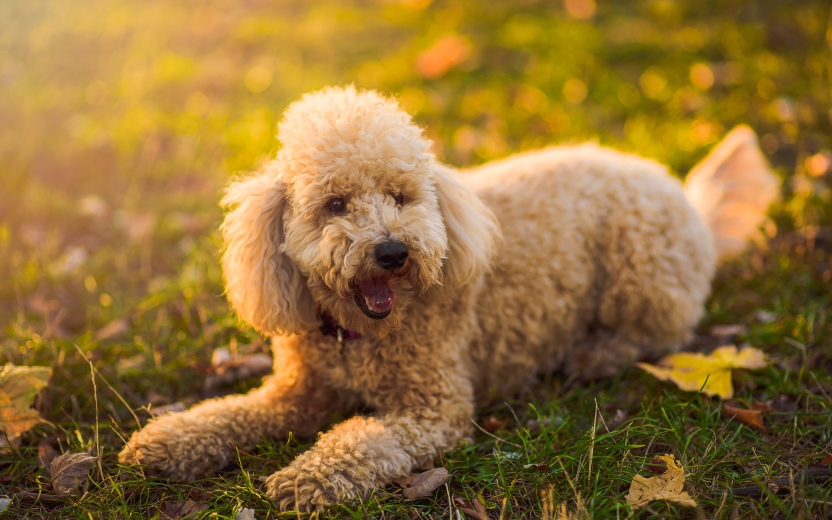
491, 424
667, 486
424, 484
46, 453
827, 460
112, 329
180, 510
762, 407
728, 331
228, 369
478, 511
70, 471
750, 417
18, 388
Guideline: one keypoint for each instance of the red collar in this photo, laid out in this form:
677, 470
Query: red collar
331, 327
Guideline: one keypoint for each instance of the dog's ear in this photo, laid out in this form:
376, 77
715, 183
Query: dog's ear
263, 285
473, 230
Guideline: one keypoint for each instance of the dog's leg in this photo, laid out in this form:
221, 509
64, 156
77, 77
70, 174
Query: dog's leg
363, 453
199, 441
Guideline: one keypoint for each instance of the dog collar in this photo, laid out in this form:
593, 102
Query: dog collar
331, 327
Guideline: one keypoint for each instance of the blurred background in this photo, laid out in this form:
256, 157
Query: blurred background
121, 121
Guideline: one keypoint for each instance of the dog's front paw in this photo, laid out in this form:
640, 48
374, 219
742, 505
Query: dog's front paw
174, 446
293, 489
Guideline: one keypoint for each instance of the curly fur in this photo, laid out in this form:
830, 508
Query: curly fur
579, 259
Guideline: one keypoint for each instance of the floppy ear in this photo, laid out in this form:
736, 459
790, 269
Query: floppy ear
473, 230
263, 285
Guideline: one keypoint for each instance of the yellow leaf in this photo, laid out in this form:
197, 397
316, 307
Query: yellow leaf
711, 373
667, 486
18, 387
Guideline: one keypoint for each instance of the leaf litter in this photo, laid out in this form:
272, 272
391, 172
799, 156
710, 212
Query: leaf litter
424, 484
69, 472
710, 374
18, 388
667, 486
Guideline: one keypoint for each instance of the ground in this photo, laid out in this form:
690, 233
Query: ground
123, 120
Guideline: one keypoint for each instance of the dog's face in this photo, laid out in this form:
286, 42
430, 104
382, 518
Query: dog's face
354, 218
367, 233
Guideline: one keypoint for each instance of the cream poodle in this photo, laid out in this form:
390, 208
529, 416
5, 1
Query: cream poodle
392, 281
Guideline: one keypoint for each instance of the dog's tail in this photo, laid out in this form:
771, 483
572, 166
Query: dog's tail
732, 188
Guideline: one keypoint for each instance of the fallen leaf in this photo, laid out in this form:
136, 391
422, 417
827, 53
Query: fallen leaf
750, 417
827, 460
446, 53
727, 331
478, 512
539, 467
424, 484
764, 316
180, 510
244, 514
763, 407
692, 371
69, 472
618, 419
5, 503
667, 486
491, 424
18, 388
112, 329
46, 453
226, 369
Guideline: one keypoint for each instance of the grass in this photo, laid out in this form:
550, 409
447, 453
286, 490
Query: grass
122, 121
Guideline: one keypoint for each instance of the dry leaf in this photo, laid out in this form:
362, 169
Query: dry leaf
69, 472
478, 513
112, 329
693, 371
446, 53
228, 369
244, 514
491, 424
5, 503
827, 460
180, 510
424, 484
750, 417
18, 388
667, 486
763, 407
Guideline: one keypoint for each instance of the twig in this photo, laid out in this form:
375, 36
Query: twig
808, 476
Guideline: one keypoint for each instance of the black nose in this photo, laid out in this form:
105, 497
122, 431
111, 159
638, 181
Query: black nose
390, 255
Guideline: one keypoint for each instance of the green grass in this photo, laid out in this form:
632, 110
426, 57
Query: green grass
121, 122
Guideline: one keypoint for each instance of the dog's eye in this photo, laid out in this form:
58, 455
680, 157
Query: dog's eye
399, 198
336, 205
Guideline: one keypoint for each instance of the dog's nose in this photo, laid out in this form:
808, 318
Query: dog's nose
391, 255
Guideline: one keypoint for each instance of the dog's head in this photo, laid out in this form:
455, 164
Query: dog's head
354, 218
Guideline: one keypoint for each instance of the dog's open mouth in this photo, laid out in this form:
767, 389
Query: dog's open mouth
374, 297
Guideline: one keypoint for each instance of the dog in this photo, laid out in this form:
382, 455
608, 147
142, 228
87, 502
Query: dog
390, 281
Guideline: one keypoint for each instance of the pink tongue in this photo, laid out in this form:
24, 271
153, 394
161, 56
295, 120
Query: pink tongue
377, 294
